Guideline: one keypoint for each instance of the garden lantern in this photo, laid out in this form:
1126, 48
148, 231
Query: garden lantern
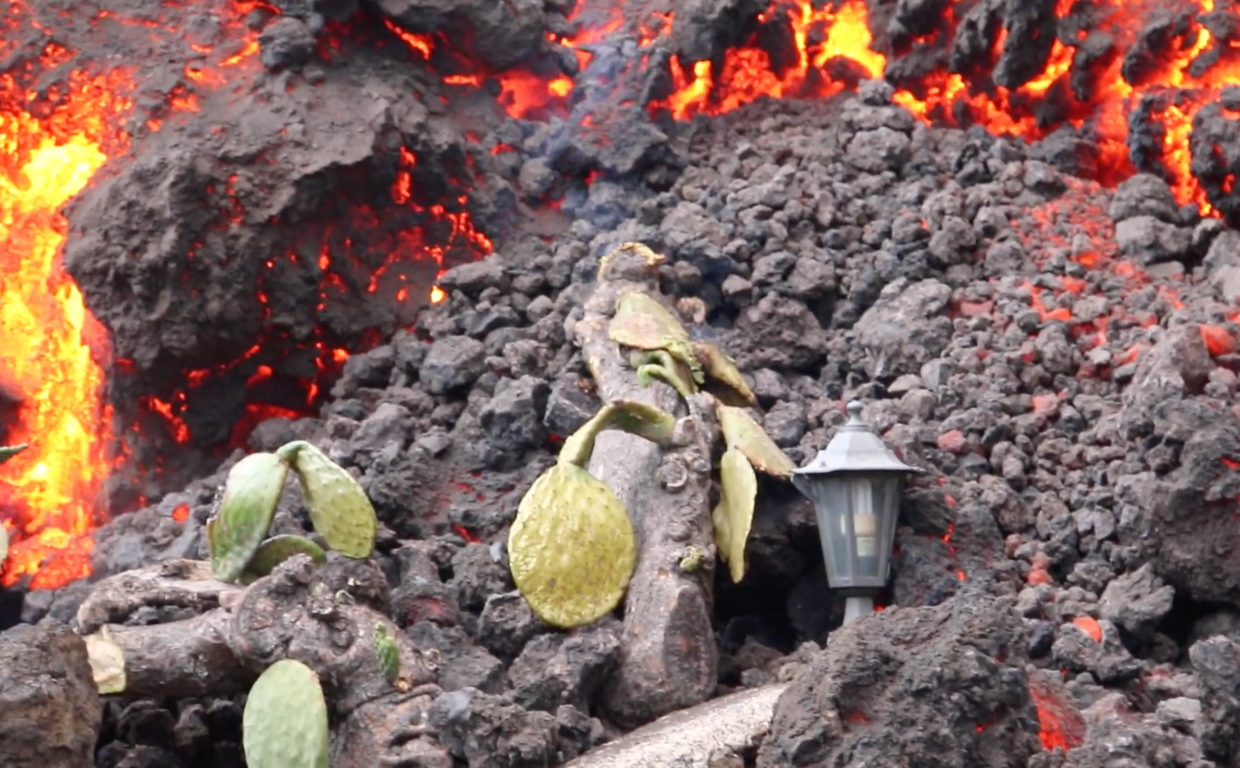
855, 485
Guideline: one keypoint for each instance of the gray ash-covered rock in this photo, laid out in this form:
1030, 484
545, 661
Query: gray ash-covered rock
50, 711
940, 686
1216, 662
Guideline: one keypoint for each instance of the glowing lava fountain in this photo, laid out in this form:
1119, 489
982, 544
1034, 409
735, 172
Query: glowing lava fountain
51, 349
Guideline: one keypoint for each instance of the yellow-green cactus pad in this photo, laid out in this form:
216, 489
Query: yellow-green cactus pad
722, 370
285, 720
339, 509
571, 548
659, 364
387, 654
741, 432
641, 322
251, 492
733, 517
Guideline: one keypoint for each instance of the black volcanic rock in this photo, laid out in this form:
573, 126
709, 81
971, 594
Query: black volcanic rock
497, 34
1215, 145
941, 686
1169, 512
703, 29
1030, 26
914, 18
975, 36
216, 240
286, 42
50, 711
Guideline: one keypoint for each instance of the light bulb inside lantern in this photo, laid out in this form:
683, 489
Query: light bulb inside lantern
865, 522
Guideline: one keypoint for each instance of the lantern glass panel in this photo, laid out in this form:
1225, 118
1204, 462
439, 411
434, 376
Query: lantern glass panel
857, 514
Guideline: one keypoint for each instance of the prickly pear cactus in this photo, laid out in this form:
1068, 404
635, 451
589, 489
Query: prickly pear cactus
632, 416
571, 547
251, 493
744, 434
733, 517
4, 544
276, 550
723, 378
659, 364
285, 720
8, 452
339, 508
387, 654
641, 322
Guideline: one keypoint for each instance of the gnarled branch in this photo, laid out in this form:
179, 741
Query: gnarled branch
318, 616
668, 660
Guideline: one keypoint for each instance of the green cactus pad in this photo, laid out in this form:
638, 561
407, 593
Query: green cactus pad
387, 654
741, 432
285, 720
643, 420
723, 378
251, 493
4, 543
8, 452
276, 550
641, 322
734, 516
339, 508
632, 416
659, 364
571, 547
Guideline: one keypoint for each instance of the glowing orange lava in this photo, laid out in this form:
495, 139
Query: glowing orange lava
51, 349
1061, 725
747, 72
948, 98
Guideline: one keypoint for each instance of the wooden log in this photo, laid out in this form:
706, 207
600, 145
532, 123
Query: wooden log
183, 659
703, 736
668, 660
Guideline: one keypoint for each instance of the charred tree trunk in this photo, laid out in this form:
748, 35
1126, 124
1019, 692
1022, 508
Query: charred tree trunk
318, 616
668, 660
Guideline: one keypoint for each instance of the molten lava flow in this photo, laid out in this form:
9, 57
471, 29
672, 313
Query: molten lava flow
748, 72
50, 347
524, 94
818, 69
1061, 725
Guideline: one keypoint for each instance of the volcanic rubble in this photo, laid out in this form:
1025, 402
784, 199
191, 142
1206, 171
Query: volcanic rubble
1059, 356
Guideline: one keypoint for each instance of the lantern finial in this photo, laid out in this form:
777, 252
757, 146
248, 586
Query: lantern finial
854, 413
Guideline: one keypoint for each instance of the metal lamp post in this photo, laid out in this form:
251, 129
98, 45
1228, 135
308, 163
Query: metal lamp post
855, 486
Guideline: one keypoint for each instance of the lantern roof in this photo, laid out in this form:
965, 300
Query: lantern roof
855, 448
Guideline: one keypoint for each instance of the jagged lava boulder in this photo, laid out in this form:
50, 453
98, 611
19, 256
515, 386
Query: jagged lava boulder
935, 687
